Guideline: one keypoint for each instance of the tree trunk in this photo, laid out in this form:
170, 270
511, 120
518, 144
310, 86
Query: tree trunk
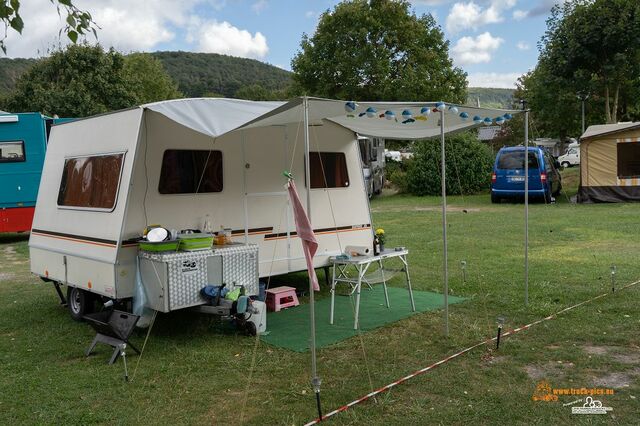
606, 103
614, 112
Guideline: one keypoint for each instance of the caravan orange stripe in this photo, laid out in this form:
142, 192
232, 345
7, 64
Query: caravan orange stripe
321, 233
75, 240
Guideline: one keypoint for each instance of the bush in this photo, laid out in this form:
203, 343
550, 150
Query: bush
468, 161
396, 173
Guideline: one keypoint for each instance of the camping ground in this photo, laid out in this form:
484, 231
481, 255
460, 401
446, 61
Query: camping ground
197, 371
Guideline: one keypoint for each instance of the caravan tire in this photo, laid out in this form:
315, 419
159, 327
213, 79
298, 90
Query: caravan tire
79, 302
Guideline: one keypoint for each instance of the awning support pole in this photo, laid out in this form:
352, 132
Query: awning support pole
315, 380
444, 226
526, 207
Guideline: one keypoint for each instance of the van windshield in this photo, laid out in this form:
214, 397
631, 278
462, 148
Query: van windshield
515, 160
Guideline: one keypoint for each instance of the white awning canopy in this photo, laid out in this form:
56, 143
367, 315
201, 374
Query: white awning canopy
391, 120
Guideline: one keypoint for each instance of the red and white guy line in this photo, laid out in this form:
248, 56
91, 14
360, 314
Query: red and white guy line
457, 354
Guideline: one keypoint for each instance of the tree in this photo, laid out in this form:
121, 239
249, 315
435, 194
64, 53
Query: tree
254, 92
150, 82
378, 50
84, 80
77, 22
593, 46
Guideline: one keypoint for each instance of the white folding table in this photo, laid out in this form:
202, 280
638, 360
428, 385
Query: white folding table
360, 265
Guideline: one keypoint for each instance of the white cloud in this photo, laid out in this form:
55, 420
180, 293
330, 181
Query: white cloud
475, 50
309, 14
521, 45
430, 2
224, 38
519, 15
493, 79
470, 15
259, 6
124, 24
138, 26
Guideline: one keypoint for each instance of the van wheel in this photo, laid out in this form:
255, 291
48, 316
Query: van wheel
79, 302
565, 164
495, 199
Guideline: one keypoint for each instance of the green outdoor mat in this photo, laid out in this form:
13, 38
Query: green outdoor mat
289, 328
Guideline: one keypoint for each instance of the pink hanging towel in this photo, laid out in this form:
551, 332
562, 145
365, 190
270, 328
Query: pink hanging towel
305, 232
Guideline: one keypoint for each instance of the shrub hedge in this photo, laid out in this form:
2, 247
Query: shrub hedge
468, 161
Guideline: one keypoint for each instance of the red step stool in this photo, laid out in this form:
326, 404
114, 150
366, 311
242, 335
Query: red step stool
281, 297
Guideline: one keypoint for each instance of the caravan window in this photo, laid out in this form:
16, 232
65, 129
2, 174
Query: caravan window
512, 160
628, 160
12, 152
91, 182
328, 170
190, 171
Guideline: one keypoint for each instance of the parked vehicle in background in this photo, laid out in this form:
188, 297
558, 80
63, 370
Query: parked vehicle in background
393, 155
372, 153
571, 158
552, 146
23, 142
507, 180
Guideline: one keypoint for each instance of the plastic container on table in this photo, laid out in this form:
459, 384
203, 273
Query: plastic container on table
195, 241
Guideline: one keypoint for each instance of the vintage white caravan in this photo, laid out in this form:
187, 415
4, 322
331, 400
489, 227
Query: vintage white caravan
218, 163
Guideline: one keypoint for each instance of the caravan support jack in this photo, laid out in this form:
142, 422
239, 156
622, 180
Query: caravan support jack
63, 301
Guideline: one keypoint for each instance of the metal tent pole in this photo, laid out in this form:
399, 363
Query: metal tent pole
444, 226
526, 207
315, 380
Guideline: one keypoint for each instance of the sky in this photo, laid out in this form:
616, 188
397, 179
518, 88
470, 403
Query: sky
494, 41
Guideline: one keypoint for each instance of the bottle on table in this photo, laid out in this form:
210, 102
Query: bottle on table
376, 245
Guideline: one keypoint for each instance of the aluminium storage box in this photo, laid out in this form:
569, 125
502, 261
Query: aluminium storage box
173, 280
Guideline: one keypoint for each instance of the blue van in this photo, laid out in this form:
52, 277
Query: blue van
507, 180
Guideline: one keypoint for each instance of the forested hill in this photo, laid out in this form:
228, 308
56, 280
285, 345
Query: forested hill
11, 70
490, 97
210, 74
197, 74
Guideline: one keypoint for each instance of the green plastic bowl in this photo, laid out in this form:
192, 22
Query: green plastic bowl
159, 246
195, 241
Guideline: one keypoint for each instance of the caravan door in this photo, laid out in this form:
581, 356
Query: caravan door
267, 212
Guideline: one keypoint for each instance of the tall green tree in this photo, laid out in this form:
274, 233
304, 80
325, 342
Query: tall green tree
378, 50
78, 22
83, 80
150, 82
590, 46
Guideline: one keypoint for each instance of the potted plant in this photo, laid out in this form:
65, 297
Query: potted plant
381, 238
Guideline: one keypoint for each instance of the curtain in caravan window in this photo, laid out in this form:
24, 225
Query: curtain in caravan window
328, 170
91, 182
190, 171
628, 160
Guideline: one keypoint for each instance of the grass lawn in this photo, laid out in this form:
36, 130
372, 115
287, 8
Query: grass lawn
198, 371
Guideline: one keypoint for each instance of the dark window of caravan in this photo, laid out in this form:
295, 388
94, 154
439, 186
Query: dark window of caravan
328, 170
190, 172
91, 182
11, 152
628, 160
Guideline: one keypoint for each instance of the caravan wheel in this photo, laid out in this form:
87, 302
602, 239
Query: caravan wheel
79, 303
